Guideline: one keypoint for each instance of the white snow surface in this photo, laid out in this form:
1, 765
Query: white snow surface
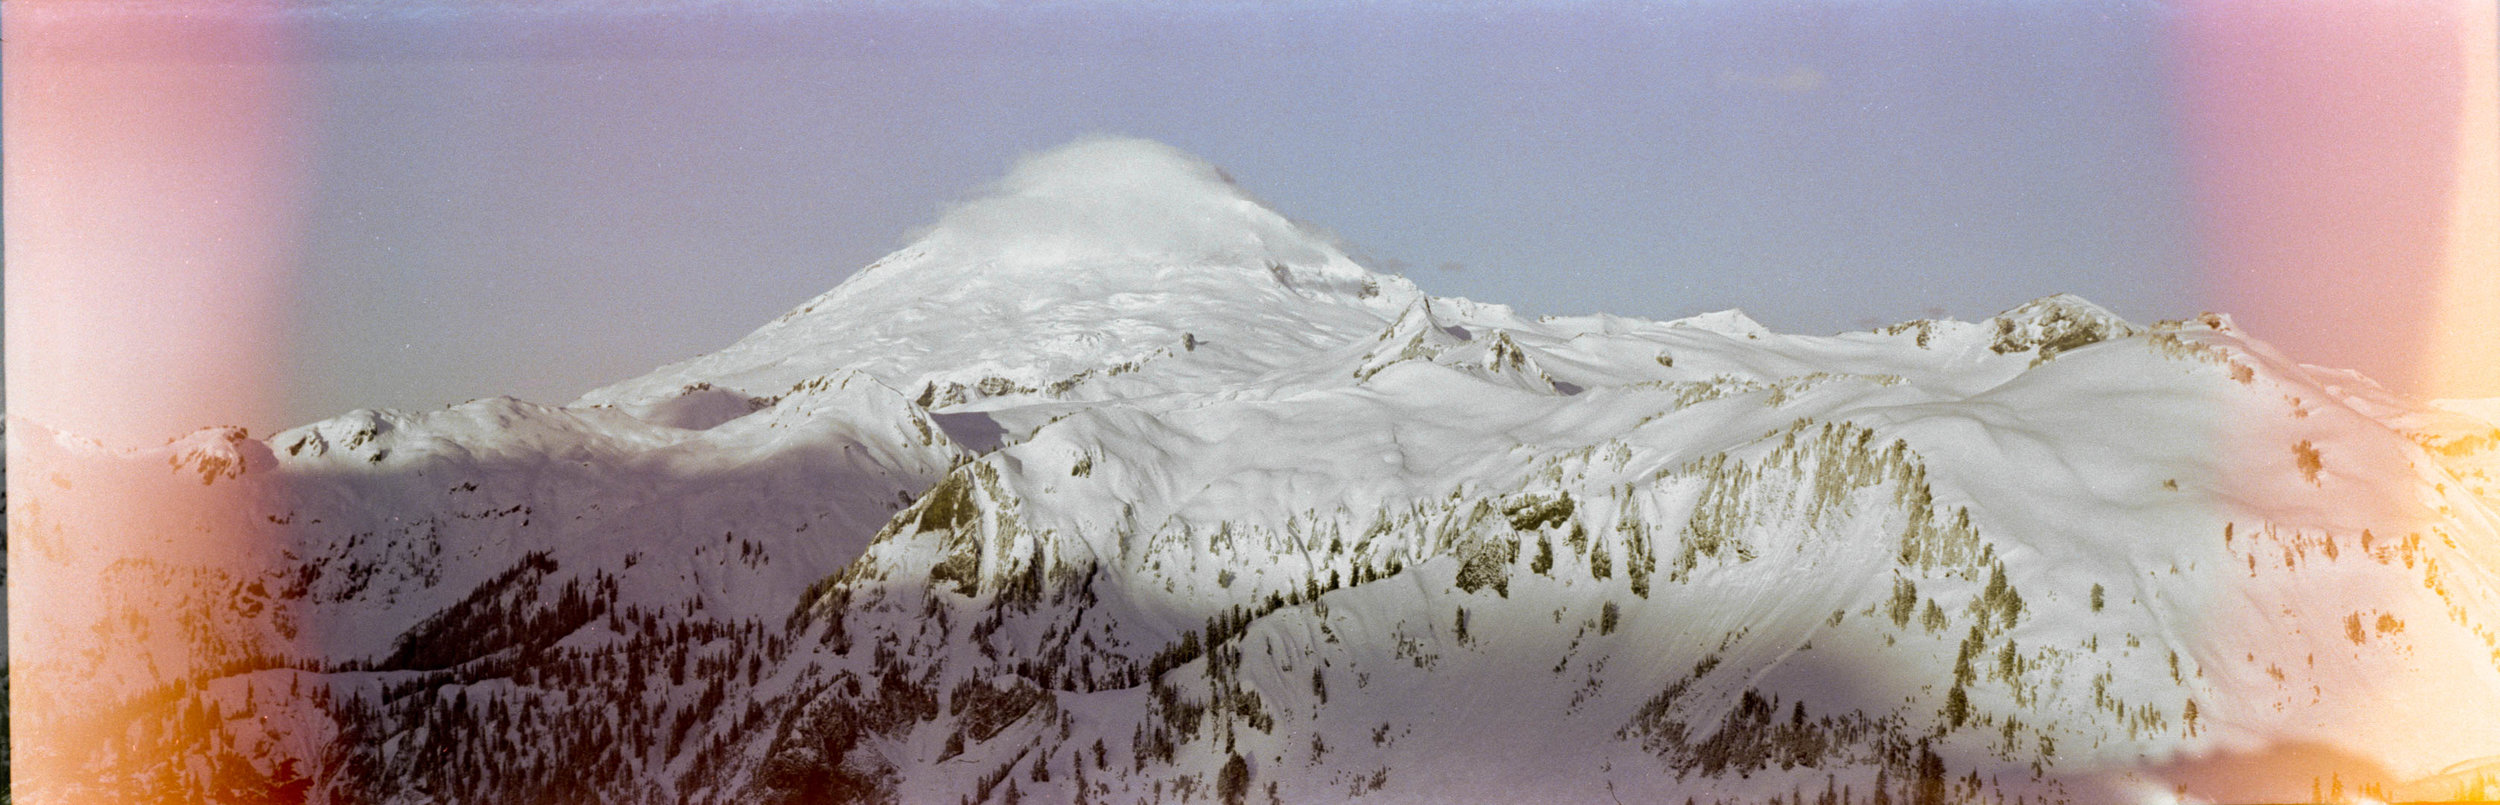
1116, 478
1105, 254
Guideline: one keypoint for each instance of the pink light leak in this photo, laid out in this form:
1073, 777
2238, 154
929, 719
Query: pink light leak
154, 186
156, 165
2324, 142
2340, 151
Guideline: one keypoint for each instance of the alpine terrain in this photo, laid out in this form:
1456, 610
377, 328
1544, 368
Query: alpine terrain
1117, 486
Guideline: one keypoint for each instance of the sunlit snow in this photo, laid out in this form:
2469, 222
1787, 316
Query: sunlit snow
1117, 485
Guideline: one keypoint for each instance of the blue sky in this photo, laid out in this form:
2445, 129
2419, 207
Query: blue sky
539, 199
538, 203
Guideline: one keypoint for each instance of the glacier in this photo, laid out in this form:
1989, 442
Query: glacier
1116, 485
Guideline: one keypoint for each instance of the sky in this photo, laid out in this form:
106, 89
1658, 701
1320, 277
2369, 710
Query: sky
266, 214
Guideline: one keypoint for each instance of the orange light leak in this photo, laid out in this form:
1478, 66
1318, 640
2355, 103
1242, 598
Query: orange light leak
157, 155
2465, 356
2346, 167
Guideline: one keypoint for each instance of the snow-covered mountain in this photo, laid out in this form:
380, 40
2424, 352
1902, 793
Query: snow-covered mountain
1117, 486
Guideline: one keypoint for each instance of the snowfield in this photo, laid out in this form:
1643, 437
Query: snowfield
1117, 486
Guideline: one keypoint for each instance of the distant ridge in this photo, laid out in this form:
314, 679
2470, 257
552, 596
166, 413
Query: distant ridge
1117, 486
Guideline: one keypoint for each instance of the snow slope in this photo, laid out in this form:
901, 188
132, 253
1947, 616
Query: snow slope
1118, 486
1081, 266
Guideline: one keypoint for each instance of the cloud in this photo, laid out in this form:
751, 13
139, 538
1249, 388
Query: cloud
1119, 199
1795, 80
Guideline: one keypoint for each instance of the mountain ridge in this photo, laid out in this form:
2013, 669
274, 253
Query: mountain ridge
1238, 518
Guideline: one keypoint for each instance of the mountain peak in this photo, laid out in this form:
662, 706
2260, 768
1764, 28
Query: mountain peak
2062, 306
2056, 323
1092, 257
1123, 200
